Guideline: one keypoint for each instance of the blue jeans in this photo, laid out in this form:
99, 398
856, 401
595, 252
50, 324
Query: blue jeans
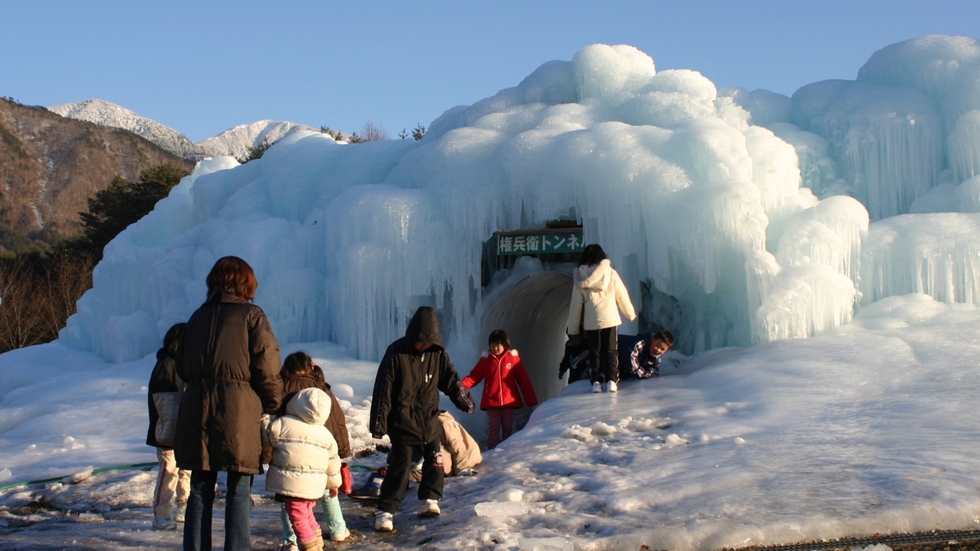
238, 512
331, 510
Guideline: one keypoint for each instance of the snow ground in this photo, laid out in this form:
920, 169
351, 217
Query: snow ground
869, 429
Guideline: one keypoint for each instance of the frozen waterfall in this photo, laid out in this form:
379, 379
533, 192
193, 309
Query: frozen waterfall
733, 218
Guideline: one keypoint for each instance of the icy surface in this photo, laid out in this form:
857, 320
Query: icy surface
866, 429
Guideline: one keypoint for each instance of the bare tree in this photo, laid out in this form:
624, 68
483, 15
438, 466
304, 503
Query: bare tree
373, 132
20, 319
66, 278
37, 295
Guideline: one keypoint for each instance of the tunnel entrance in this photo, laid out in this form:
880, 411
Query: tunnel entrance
533, 313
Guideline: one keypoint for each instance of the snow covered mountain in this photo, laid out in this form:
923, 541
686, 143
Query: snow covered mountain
109, 114
233, 142
236, 141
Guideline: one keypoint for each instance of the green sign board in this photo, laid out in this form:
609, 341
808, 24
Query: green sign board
540, 242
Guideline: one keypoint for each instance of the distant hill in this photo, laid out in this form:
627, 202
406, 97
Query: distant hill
109, 114
234, 142
237, 140
51, 165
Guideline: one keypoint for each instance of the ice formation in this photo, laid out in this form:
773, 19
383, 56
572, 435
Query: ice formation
726, 213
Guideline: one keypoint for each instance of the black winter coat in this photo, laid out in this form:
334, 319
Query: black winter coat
405, 405
230, 361
163, 379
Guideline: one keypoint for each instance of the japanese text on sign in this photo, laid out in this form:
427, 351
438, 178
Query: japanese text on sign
540, 242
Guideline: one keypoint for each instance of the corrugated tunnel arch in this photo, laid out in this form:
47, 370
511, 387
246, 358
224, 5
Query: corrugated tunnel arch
533, 313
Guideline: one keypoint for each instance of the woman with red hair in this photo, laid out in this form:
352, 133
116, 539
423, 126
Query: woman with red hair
230, 361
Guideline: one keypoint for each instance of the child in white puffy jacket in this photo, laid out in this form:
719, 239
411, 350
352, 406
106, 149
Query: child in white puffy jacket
304, 462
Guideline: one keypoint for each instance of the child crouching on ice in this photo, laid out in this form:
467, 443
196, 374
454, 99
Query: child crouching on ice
304, 462
645, 357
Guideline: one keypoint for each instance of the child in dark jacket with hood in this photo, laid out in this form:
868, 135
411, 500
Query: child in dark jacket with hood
405, 406
163, 397
502, 372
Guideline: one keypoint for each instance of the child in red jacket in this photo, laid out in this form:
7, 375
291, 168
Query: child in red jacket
503, 372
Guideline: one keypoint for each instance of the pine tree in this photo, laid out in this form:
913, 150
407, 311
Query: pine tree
113, 209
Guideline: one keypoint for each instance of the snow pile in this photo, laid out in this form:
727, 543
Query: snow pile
866, 429
860, 431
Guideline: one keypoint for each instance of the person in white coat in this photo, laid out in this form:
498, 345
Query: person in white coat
304, 462
598, 295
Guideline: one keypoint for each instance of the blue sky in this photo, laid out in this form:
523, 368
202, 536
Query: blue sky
203, 67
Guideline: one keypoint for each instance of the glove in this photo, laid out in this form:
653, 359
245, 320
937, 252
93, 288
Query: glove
346, 481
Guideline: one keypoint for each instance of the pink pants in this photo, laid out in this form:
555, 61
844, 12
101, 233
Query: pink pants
501, 425
300, 513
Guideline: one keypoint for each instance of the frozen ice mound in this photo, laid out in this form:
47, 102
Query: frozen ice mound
739, 231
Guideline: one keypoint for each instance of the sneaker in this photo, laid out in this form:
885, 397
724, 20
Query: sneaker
163, 524
383, 522
181, 511
337, 538
611, 386
287, 547
429, 508
596, 387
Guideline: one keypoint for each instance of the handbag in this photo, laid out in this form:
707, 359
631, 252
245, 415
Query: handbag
167, 404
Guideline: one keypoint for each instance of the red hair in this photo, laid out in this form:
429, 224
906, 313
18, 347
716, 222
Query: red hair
232, 275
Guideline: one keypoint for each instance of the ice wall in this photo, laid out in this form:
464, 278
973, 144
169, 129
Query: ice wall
932, 254
701, 211
944, 68
887, 142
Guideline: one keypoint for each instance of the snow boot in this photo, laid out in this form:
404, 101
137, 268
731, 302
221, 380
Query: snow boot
312, 545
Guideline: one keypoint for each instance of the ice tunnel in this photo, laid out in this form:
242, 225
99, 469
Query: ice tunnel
533, 313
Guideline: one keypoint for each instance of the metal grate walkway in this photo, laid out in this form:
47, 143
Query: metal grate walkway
891, 540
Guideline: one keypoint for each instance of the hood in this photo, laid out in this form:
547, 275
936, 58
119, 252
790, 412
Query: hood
424, 327
596, 277
312, 405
